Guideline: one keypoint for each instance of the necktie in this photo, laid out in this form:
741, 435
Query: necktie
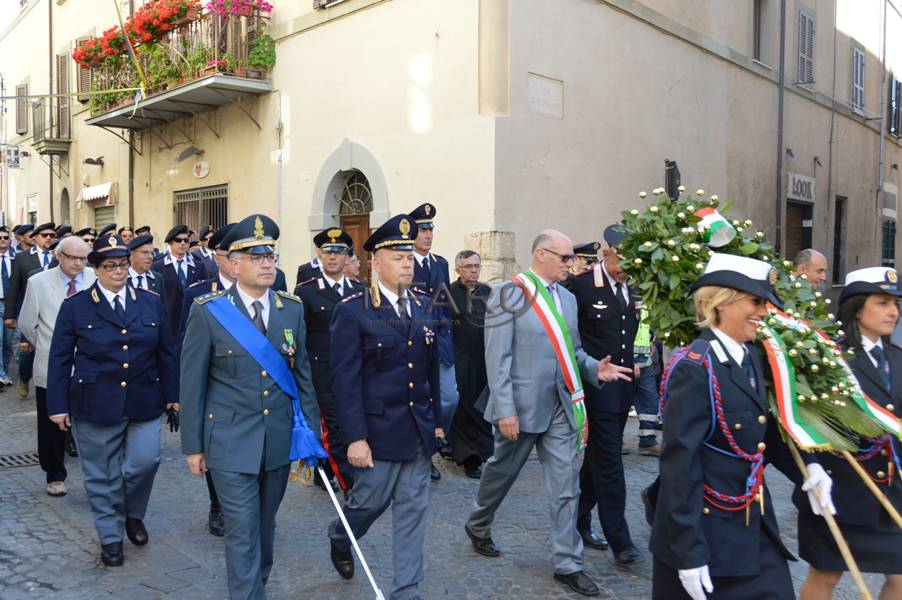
337, 288
46, 259
118, 308
621, 301
183, 278
402, 309
258, 316
882, 366
749, 370
4, 273
70, 291
428, 270
141, 283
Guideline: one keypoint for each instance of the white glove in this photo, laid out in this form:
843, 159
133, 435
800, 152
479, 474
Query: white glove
819, 481
694, 580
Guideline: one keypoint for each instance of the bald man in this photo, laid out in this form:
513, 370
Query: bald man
530, 403
813, 265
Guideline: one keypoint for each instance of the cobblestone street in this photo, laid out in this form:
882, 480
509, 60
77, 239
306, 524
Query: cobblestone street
48, 546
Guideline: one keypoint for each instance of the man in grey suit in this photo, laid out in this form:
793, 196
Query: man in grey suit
43, 296
531, 402
236, 420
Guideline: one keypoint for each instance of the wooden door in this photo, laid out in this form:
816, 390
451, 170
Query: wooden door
798, 228
358, 227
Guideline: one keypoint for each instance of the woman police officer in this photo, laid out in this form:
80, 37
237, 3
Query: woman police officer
868, 310
713, 528
112, 372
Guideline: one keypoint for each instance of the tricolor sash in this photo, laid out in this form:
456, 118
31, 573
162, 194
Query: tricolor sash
559, 336
304, 445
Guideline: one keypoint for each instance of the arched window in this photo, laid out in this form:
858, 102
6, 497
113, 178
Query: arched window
356, 197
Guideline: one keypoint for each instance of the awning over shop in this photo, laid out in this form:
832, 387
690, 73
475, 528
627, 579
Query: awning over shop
108, 191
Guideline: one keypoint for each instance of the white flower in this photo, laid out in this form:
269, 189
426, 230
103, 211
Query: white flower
658, 191
803, 276
739, 230
834, 389
710, 252
748, 222
812, 304
787, 264
812, 351
690, 207
815, 368
671, 243
694, 246
827, 300
797, 285
700, 266
841, 333
793, 352
699, 192
817, 294
634, 212
681, 215
830, 316
681, 188
760, 235
715, 198
642, 194
666, 334
637, 261
735, 223
824, 396
675, 258
647, 244
653, 209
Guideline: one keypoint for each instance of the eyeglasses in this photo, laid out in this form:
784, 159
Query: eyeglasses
75, 258
259, 259
88, 240
471, 267
180, 240
3, 237
564, 257
110, 267
48, 235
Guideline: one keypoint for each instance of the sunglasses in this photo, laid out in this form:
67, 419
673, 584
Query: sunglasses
47, 235
564, 257
180, 240
4, 237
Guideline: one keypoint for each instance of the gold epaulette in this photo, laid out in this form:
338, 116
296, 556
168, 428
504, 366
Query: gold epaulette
291, 297
207, 297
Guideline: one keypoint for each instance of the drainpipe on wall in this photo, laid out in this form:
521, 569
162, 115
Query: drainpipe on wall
778, 197
882, 146
50, 86
279, 163
831, 209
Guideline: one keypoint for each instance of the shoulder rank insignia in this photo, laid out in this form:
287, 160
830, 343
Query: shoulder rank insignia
598, 275
134, 295
697, 351
421, 292
94, 296
354, 297
151, 292
320, 283
288, 296
308, 282
207, 297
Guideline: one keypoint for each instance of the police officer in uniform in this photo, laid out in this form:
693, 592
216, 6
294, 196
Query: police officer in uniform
222, 279
714, 526
107, 231
320, 296
112, 371
607, 327
141, 274
585, 257
309, 270
432, 271
88, 235
236, 419
386, 389
126, 233
179, 271
868, 309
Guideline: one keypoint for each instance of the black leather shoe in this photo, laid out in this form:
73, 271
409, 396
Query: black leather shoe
591, 540
649, 509
483, 545
628, 557
342, 561
579, 582
136, 531
435, 474
215, 522
111, 554
473, 472
71, 450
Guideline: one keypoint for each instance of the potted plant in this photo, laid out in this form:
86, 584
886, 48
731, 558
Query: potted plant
262, 55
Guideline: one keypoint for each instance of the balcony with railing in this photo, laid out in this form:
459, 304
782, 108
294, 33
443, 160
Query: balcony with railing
52, 126
203, 62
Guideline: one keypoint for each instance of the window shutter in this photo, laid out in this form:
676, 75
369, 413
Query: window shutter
806, 49
62, 88
21, 109
83, 81
857, 80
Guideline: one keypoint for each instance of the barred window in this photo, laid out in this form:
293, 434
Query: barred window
202, 206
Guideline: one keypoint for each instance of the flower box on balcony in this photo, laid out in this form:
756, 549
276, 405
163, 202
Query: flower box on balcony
189, 16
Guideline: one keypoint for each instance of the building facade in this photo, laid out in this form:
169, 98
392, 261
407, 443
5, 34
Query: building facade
509, 115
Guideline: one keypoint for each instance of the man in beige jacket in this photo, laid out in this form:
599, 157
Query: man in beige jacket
45, 293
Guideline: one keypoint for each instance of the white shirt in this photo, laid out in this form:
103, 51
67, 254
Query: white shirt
421, 257
624, 292
249, 303
110, 296
554, 291
867, 344
134, 276
8, 261
733, 348
41, 255
331, 283
393, 298
226, 284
